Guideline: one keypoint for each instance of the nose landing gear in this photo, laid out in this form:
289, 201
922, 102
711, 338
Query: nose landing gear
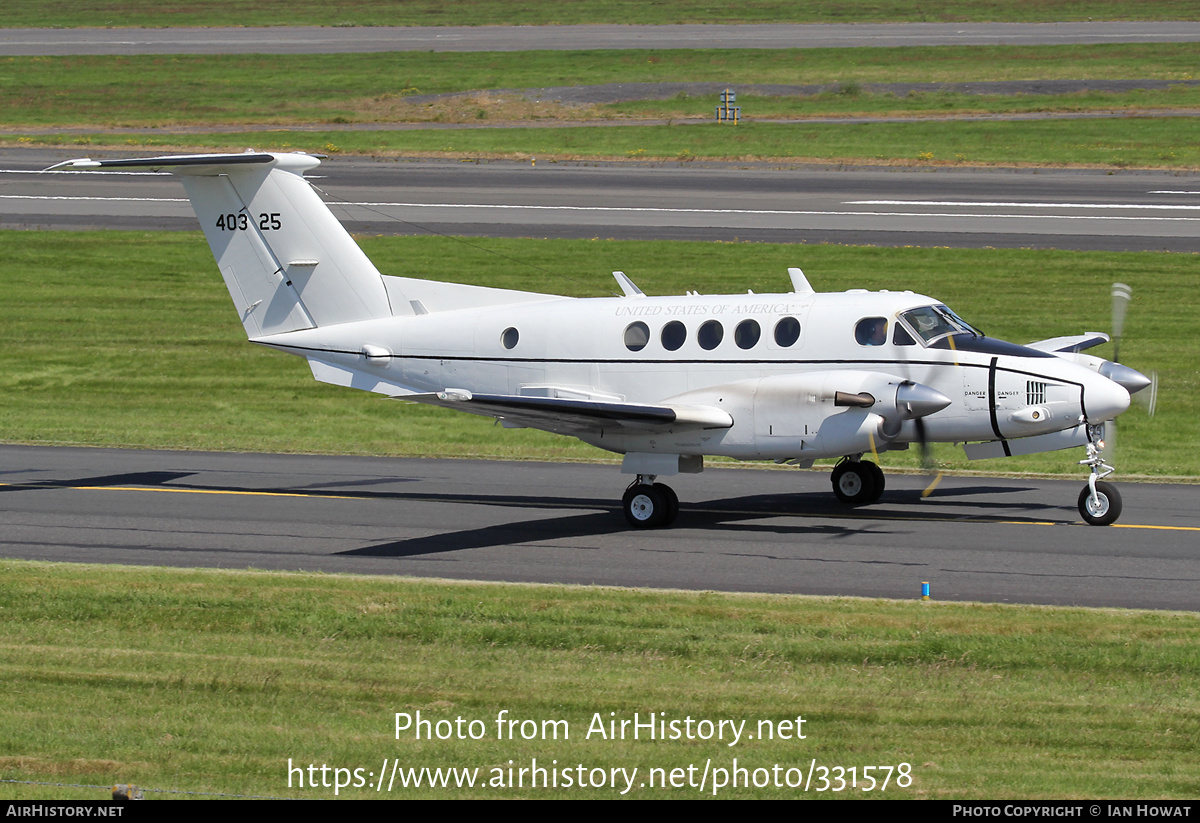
1099, 502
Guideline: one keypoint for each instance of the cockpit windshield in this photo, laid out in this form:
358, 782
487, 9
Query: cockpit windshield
935, 322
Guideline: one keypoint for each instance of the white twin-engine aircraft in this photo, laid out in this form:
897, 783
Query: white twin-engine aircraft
793, 377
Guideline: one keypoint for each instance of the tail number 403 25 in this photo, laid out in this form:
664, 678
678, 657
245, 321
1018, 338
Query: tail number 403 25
241, 221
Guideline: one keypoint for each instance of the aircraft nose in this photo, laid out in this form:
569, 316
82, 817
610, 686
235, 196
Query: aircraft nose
1132, 379
1104, 399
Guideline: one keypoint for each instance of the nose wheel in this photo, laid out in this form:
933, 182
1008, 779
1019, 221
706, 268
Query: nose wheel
1099, 502
1101, 507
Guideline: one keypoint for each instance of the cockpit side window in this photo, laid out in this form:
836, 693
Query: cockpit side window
871, 331
934, 322
901, 337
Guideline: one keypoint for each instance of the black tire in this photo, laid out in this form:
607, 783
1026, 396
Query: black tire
672, 502
645, 506
853, 484
877, 477
1105, 510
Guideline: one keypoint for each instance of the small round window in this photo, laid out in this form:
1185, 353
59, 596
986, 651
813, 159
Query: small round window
510, 337
673, 336
746, 334
637, 335
710, 335
787, 332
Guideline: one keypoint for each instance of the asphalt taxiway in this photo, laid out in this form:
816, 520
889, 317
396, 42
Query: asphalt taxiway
1135, 210
367, 39
984, 539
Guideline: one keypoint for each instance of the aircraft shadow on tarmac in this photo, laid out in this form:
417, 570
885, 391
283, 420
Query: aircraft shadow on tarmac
150, 479
766, 513
740, 514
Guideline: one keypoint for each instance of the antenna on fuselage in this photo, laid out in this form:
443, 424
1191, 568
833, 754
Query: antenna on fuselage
800, 284
628, 286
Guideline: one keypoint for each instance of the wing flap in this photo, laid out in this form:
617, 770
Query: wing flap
563, 416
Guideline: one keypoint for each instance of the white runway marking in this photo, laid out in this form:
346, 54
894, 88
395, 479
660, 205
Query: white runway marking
1007, 205
96, 199
748, 212
772, 212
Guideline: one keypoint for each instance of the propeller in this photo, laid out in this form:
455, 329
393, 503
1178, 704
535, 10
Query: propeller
1121, 295
913, 401
1134, 381
927, 463
1144, 388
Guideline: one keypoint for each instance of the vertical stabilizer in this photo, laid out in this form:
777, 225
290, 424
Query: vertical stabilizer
286, 260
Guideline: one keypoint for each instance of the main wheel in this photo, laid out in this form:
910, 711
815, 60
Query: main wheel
646, 507
853, 483
672, 502
1104, 508
877, 478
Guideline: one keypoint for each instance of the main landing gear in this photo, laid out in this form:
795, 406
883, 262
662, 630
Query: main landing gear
857, 482
650, 505
1099, 502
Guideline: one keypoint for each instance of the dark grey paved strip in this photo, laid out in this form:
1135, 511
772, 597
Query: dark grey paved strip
313, 40
992, 540
1038, 208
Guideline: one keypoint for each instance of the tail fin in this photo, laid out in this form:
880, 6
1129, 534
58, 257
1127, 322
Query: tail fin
286, 260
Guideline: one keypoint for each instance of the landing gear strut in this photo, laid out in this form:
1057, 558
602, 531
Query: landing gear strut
857, 482
650, 505
1099, 503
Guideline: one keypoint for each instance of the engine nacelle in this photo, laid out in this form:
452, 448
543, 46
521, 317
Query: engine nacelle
814, 415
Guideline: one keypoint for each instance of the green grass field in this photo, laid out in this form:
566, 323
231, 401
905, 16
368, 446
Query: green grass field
177, 102
1135, 142
289, 89
209, 681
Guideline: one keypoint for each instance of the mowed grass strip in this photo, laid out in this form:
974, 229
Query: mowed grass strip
20, 13
156, 90
851, 101
130, 338
1112, 143
210, 681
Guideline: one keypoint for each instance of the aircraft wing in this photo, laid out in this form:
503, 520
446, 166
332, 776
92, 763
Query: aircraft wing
1071, 343
573, 417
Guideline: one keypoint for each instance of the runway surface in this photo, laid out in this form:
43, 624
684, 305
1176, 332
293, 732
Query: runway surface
363, 39
1122, 211
1017, 541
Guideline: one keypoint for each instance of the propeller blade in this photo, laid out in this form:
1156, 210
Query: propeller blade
1134, 382
1121, 295
1149, 398
927, 464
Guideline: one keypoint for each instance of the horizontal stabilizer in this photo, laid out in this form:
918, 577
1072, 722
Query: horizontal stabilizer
578, 416
199, 163
338, 375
